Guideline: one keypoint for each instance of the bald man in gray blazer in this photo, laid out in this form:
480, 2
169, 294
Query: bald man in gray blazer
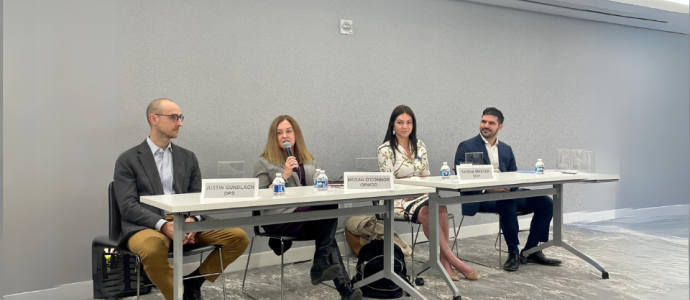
158, 167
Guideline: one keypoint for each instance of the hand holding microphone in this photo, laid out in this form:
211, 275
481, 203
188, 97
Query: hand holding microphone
291, 161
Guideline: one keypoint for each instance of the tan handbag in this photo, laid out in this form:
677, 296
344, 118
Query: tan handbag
354, 242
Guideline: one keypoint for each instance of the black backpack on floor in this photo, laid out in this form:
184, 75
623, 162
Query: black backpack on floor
370, 262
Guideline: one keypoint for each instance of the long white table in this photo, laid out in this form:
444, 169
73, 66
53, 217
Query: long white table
190, 204
447, 193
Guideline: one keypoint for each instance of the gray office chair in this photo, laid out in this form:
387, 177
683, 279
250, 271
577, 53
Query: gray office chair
115, 231
258, 232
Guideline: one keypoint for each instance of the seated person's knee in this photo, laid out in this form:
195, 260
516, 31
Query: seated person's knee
423, 216
153, 246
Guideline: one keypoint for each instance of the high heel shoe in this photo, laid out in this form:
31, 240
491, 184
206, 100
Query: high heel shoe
473, 275
453, 276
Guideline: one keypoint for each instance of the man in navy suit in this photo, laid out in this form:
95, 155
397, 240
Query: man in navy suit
500, 155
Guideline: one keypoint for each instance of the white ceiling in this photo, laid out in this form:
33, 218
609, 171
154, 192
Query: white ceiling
662, 15
679, 6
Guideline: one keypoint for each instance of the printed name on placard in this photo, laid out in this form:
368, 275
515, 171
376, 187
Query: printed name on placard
474, 172
368, 181
230, 188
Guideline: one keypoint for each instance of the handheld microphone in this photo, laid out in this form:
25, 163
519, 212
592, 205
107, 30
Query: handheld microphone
288, 150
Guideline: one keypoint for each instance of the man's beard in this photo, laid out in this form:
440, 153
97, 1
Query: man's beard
489, 135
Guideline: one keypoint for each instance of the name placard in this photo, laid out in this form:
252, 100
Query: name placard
235, 188
475, 172
368, 181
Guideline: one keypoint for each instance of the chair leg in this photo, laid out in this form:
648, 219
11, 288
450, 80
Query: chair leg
496, 245
282, 265
414, 275
251, 245
138, 266
455, 240
500, 245
222, 272
455, 233
347, 256
416, 236
201, 258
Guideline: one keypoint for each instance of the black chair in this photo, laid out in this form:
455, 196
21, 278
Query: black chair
115, 232
499, 237
282, 238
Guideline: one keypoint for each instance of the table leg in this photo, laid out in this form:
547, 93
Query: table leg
558, 234
585, 257
178, 238
434, 245
388, 263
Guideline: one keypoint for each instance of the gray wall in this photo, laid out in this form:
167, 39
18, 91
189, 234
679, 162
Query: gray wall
60, 138
2, 273
84, 71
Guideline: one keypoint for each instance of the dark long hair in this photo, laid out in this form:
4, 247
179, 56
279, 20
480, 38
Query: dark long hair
392, 139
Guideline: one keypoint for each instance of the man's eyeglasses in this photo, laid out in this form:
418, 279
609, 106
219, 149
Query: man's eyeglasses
173, 117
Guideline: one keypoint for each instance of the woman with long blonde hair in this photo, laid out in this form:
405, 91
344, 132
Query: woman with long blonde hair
298, 170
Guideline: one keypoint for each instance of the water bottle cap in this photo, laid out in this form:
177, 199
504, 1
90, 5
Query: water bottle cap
279, 174
318, 170
445, 162
539, 159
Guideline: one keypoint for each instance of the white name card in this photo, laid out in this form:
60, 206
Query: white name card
368, 181
237, 188
475, 172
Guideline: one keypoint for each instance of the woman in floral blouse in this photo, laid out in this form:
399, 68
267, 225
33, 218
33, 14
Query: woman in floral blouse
410, 160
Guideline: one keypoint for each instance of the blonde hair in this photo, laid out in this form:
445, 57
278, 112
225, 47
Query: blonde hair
274, 154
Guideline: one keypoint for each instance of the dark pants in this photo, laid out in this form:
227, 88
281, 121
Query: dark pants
541, 206
323, 234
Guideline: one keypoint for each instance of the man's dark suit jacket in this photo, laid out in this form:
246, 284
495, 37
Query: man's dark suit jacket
136, 175
476, 144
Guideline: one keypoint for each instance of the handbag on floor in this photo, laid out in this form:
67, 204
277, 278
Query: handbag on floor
370, 262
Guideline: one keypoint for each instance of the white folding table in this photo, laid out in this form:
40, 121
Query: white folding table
447, 193
182, 205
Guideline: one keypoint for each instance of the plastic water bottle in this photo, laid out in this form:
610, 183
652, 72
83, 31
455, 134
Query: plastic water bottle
316, 175
279, 185
445, 171
539, 167
322, 181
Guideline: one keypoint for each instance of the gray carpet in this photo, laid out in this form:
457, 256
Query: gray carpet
647, 258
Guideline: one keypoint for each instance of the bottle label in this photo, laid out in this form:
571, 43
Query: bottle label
540, 170
320, 184
445, 173
279, 188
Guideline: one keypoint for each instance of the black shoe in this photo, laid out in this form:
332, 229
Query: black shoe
350, 294
539, 258
513, 262
190, 294
322, 269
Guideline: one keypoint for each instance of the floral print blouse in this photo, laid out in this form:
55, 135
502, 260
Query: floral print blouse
403, 167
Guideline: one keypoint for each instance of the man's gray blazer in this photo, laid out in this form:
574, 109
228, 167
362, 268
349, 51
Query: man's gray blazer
136, 175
